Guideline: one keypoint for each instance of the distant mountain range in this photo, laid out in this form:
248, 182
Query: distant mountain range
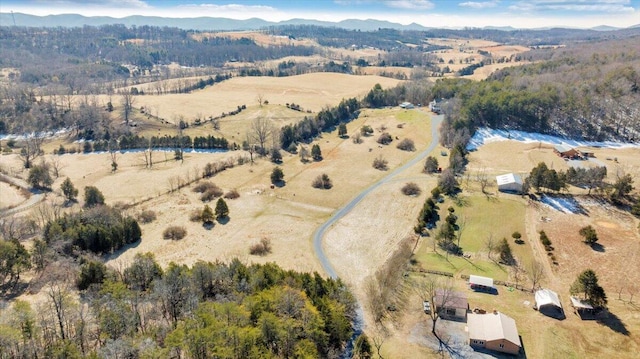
214, 23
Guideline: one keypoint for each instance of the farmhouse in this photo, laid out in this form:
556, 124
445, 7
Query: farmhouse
406, 105
509, 183
494, 331
548, 303
434, 105
483, 284
565, 151
451, 305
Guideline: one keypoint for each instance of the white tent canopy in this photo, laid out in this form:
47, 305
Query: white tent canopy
547, 297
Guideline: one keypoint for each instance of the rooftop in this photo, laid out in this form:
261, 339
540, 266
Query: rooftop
547, 296
508, 178
493, 326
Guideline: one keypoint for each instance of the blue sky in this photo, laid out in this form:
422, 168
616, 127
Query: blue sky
435, 13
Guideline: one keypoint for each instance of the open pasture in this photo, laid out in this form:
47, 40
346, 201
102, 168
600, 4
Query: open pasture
311, 91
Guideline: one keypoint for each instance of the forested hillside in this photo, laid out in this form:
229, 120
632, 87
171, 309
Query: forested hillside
589, 90
204, 311
78, 56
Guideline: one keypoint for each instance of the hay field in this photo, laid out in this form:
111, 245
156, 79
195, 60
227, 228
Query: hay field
311, 91
287, 216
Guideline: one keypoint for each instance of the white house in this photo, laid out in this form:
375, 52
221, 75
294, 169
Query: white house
509, 183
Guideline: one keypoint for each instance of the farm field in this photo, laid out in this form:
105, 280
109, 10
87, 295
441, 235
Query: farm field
361, 242
311, 91
286, 215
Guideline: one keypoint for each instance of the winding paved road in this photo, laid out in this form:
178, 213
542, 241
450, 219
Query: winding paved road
36, 196
319, 233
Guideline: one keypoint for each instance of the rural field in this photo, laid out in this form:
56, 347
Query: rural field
362, 222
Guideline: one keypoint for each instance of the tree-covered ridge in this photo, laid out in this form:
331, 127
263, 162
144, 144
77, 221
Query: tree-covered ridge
75, 56
590, 91
222, 310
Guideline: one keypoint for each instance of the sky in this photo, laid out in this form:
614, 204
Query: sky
429, 13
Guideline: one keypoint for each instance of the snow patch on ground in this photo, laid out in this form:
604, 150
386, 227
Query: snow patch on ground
486, 135
563, 204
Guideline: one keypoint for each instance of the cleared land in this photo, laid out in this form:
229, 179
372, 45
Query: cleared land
310, 91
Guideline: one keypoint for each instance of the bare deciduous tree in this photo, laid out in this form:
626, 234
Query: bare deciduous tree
483, 179
535, 272
490, 244
260, 133
128, 100
31, 149
438, 292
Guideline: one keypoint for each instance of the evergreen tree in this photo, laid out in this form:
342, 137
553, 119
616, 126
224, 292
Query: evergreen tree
316, 153
589, 234
277, 175
504, 249
222, 210
587, 284
39, 177
342, 130
69, 190
207, 214
93, 197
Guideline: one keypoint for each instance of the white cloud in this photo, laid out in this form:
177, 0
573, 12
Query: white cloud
479, 4
602, 6
410, 4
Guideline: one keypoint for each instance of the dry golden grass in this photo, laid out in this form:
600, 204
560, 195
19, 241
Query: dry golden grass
11, 196
311, 91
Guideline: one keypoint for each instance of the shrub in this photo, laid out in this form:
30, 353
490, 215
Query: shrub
411, 189
211, 193
380, 163
147, 216
195, 215
366, 130
233, 194
384, 139
174, 233
406, 145
322, 181
262, 248
430, 165
204, 186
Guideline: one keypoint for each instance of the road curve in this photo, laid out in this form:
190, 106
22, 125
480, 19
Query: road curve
358, 324
319, 233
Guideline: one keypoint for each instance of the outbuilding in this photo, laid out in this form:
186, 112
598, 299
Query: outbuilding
548, 303
582, 307
480, 283
406, 105
569, 152
494, 331
509, 182
451, 305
